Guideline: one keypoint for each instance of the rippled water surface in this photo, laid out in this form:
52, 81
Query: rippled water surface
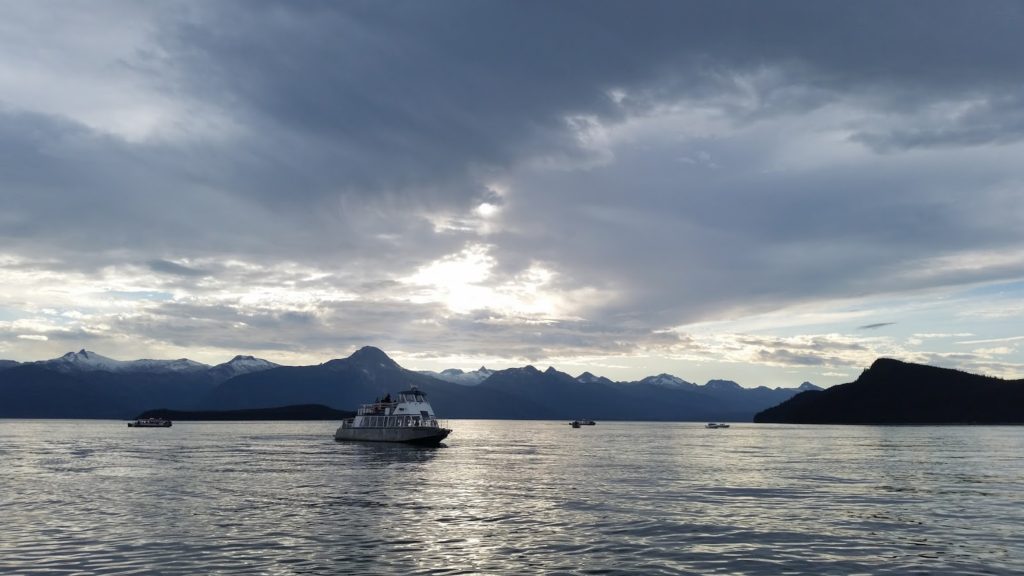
97, 497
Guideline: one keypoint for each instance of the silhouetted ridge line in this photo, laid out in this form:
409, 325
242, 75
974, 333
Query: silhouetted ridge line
89, 385
895, 392
298, 412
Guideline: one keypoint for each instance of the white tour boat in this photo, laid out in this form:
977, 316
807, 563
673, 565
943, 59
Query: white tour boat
716, 425
408, 419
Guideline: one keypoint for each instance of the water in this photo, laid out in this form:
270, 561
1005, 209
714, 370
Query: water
96, 497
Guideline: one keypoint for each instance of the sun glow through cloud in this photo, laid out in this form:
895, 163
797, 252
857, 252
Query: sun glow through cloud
465, 282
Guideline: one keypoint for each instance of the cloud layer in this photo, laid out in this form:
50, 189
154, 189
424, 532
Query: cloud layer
505, 182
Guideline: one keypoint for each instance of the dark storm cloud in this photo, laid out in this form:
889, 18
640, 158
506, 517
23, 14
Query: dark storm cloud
401, 94
83, 200
428, 100
992, 118
737, 239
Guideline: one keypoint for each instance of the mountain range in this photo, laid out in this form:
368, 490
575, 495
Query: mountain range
87, 385
895, 392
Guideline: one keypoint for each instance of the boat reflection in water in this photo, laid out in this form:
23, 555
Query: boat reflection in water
410, 419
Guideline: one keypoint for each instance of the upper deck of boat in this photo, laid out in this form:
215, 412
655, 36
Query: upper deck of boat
388, 406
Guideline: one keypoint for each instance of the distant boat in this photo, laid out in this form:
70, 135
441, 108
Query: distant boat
409, 419
150, 423
586, 422
716, 425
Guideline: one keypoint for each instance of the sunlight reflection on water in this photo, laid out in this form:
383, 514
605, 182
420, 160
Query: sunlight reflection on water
510, 497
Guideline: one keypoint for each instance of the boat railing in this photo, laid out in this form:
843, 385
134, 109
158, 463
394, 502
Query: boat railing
375, 408
398, 422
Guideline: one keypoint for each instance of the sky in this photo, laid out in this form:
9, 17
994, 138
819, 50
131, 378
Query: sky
768, 192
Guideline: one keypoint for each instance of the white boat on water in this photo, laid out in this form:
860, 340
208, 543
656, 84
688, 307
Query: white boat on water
409, 419
150, 423
716, 425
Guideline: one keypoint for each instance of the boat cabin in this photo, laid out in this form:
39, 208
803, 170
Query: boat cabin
410, 409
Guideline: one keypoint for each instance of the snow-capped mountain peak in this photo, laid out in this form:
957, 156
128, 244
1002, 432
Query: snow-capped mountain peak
84, 360
242, 365
249, 362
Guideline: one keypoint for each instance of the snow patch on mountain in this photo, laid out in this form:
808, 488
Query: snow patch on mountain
457, 376
589, 378
667, 381
87, 361
180, 365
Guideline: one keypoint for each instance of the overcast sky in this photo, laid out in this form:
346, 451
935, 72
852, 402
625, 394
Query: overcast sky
768, 192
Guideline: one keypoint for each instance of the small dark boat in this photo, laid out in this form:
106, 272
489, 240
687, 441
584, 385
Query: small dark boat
575, 423
150, 423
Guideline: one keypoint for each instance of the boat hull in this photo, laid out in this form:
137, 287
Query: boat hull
137, 425
427, 436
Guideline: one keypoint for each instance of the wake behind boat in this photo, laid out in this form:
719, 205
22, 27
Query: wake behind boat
409, 419
150, 423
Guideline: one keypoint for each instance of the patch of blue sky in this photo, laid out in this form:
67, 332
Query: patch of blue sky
142, 295
1012, 289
